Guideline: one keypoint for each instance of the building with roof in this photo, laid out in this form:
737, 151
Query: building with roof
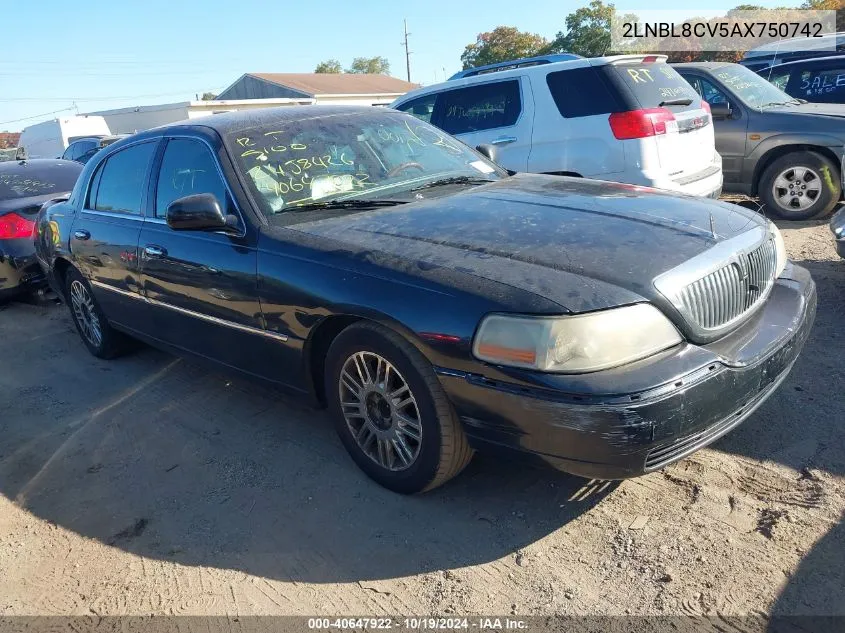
323, 88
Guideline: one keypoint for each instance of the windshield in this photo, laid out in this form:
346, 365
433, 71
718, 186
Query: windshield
750, 87
356, 156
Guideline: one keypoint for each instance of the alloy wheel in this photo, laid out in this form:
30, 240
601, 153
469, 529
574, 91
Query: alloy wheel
797, 188
380, 411
85, 312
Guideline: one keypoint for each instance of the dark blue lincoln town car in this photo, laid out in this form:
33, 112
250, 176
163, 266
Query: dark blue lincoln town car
434, 303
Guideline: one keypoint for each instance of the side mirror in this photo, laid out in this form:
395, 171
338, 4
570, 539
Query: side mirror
721, 110
487, 150
198, 212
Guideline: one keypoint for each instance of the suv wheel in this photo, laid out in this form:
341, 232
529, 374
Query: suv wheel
800, 186
391, 412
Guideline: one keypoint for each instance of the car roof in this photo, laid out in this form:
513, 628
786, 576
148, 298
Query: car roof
806, 60
501, 75
226, 123
704, 65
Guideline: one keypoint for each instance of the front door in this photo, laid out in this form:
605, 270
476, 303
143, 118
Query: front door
104, 237
201, 286
730, 132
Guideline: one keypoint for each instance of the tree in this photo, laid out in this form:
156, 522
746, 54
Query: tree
587, 31
208, 96
837, 5
369, 65
330, 66
500, 45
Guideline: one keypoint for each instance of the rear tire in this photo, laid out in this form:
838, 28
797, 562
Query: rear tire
800, 186
101, 339
391, 412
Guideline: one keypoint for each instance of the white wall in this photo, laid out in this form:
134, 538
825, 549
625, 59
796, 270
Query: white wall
121, 122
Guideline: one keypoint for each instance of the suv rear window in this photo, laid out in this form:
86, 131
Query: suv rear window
652, 84
826, 85
581, 92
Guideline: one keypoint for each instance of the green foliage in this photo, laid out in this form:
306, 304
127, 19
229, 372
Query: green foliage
208, 96
587, 31
331, 66
370, 65
502, 44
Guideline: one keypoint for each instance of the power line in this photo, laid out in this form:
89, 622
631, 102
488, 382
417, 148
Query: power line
27, 118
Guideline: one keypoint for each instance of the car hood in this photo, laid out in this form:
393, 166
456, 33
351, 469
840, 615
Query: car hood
583, 244
824, 109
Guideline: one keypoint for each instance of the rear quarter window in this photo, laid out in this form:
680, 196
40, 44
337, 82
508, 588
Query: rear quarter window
481, 107
582, 92
826, 85
648, 85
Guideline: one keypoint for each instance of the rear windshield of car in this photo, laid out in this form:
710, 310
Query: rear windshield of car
30, 180
653, 84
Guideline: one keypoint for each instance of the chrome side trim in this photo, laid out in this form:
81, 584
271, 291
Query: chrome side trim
191, 313
112, 214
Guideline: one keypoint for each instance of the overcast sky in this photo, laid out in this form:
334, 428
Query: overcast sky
104, 55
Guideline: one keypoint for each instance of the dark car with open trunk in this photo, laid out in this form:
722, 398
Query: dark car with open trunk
435, 304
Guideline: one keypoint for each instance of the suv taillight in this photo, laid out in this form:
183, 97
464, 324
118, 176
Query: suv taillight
14, 227
640, 123
705, 106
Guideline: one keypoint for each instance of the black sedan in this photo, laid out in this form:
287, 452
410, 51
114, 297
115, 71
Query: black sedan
375, 265
24, 186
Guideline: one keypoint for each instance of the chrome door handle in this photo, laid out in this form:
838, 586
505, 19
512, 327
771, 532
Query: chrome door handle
153, 251
81, 234
503, 140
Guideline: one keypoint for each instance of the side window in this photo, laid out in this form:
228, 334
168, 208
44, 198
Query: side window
779, 78
710, 93
581, 92
123, 179
71, 152
421, 107
483, 107
825, 85
187, 167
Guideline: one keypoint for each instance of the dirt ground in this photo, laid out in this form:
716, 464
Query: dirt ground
151, 485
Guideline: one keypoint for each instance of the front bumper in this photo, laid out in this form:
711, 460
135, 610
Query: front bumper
837, 226
19, 269
629, 421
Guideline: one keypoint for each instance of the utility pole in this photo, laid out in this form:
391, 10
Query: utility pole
407, 52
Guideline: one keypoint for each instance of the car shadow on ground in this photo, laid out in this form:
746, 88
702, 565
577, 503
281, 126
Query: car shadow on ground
801, 426
168, 459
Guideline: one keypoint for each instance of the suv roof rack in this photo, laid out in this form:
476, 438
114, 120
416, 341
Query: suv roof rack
515, 63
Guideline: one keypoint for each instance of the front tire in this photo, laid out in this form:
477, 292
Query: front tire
391, 412
101, 339
800, 186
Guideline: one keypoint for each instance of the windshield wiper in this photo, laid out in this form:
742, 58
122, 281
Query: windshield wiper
671, 102
454, 180
356, 203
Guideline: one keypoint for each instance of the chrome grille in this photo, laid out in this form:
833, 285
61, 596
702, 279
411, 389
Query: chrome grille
729, 292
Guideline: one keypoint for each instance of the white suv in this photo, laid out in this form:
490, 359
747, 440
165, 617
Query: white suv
628, 118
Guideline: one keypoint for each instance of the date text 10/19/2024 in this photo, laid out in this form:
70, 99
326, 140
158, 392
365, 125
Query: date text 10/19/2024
418, 624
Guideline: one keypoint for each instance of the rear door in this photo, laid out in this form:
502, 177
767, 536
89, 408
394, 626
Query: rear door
688, 144
497, 113
104, 236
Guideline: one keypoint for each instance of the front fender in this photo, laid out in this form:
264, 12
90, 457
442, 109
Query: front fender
755, 162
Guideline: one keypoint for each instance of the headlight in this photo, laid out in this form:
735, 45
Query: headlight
780, 248
575, 344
